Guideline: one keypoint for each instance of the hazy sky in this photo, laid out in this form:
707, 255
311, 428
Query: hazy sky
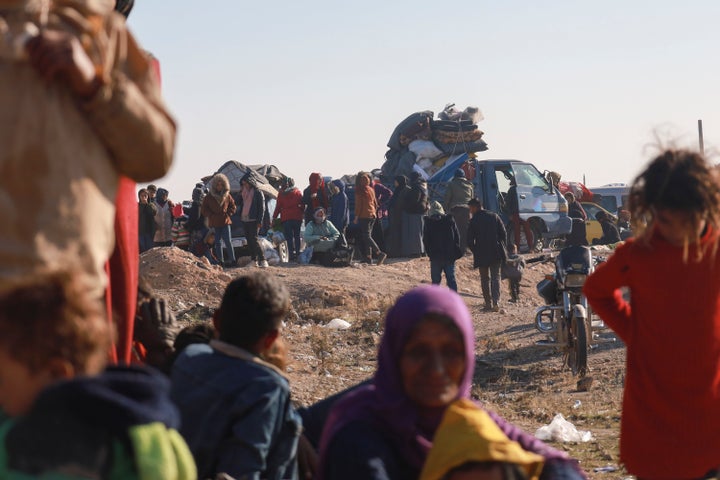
576, 87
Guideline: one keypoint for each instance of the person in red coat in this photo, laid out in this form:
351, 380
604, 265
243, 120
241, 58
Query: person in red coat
670, 425
290, 209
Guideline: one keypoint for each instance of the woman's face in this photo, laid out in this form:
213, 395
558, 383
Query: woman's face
432, 364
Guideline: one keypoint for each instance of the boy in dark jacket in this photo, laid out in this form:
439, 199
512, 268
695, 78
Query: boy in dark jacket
442, 245
70, 418
237, 416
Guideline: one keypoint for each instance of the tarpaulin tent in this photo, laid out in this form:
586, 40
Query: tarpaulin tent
264, 175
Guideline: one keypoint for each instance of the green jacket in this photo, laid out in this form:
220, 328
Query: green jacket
459, 192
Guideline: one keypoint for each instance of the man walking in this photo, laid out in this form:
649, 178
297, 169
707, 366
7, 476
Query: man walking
486, 240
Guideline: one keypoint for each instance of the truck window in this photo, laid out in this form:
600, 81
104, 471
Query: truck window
527, 174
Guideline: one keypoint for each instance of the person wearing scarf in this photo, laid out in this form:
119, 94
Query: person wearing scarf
395, 217
385, 429
252, 212
314, 196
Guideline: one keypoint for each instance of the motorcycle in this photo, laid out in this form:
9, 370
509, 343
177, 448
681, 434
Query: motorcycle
567, 317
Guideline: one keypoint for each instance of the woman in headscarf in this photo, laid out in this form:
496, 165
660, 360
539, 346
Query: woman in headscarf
385, 429
415, 208
315, 195
252, 212
395, 215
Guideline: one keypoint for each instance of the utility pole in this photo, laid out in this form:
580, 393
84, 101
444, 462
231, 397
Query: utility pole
700, 137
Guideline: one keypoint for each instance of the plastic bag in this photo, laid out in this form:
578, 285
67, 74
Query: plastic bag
560, 430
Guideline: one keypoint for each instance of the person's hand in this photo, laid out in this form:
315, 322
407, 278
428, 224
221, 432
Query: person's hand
58, 55
156, 328
355, 220
307, 458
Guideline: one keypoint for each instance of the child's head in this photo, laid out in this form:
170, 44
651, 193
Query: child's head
252, 311
678, 194
143, 195
50, 329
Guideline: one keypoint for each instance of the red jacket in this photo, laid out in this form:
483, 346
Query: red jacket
671, 405
289, 205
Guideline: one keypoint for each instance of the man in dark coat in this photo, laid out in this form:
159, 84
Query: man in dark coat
442, 244
486, 239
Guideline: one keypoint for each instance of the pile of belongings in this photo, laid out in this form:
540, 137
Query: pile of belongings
423, 144
578, 189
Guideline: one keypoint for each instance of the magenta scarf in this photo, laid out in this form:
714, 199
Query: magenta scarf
383, 403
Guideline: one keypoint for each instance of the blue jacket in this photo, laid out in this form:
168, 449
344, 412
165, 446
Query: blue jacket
339, 210
236, 413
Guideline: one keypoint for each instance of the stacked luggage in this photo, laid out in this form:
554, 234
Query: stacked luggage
422, 143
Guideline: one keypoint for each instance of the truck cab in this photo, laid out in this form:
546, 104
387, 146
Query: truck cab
539, 202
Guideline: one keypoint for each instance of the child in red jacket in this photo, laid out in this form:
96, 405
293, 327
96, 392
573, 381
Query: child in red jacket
671, 405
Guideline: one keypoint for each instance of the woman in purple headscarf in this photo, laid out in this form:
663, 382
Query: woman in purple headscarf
426, 359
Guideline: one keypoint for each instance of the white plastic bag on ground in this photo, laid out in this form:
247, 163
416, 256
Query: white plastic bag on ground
337, 324
560, 430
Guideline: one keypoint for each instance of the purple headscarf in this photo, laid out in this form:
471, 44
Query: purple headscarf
384, 403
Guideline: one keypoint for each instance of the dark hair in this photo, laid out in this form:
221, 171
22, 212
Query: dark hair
124, 6
252, 306
676, 179
475, 202
53, 316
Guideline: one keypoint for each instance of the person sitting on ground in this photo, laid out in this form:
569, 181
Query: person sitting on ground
236, 412
442, 244
575, 209
426, 359
320, 234
69, 417
468, 444
611, 234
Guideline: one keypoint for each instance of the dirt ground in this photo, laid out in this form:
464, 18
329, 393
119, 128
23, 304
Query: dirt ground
525, 383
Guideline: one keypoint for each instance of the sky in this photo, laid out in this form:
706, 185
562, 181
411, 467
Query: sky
588, 89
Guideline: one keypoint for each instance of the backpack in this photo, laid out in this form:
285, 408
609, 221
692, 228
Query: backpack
337, 257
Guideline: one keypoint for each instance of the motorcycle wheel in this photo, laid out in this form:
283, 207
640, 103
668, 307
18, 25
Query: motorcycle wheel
578, 346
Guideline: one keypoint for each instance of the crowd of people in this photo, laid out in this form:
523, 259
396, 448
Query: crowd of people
213, 402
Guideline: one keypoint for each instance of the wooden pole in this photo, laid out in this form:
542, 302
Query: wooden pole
700, 137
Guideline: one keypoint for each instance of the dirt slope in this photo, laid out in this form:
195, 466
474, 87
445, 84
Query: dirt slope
523, 382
